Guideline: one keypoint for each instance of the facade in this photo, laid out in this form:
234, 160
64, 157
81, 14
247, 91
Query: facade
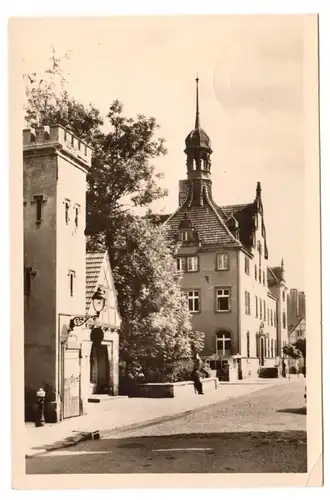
55, 164
100, 353
235, 297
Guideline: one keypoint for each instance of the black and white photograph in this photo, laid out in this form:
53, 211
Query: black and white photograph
167, 170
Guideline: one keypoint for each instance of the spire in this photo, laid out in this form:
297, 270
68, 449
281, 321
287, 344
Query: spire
197, 104
258, 189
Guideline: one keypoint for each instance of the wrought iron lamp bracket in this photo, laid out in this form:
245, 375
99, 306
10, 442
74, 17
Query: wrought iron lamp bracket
80, 321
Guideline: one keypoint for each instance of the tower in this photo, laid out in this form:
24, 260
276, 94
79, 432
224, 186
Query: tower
55, 163
198, 151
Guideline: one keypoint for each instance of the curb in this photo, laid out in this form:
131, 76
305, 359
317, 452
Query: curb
96, 434
67, 443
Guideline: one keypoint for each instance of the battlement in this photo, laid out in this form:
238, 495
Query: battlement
57, 136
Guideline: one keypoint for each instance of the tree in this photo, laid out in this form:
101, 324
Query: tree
156, 330
121, 177
156, 326
291, 351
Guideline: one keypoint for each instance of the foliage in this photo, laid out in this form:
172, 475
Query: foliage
292, 351
155, 318
121, 176
156, 328
268, 372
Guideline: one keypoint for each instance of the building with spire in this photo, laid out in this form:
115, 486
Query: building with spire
235, 297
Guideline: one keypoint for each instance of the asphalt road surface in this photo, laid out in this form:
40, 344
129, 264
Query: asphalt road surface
261, 432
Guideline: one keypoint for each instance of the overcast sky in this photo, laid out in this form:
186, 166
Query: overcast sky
251, 101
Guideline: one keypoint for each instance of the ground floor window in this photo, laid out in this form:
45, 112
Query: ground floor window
223, 344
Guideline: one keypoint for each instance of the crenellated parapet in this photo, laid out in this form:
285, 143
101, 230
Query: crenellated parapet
59, 138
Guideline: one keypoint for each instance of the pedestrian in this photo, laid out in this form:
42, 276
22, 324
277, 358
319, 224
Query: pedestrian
196, 378
283, 368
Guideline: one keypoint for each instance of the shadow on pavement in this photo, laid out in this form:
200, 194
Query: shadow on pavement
227, 452
298, 411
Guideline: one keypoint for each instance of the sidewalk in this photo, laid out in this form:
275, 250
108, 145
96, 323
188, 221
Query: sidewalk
127, 413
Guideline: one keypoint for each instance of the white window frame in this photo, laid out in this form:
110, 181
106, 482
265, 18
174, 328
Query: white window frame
221, 293
182, 264
222, 262
223, 338
247, 265
184, 235
193, 296
192, 264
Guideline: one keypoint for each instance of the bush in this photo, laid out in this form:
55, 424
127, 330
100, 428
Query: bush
293, 369
271, 372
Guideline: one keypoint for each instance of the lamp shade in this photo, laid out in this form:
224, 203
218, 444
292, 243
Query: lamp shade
99, 299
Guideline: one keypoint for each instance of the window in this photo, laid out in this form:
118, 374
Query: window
247, 265
72, 276
284, 320
264, 278
268, 348
259, 274
271, 318
27, 281
222, 261
184, 235
248, 344
272, 348
260, 305
283, 296
223, 344
193, 301
275, 319
38, 200
247, 303
267, 315
67, 209
255, 272
223, 299
181, 264
192, 264
85, 150
76, 217
259, 252
264, 310
257, 307
257, 346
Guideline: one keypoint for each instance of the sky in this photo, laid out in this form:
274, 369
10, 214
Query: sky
251, 88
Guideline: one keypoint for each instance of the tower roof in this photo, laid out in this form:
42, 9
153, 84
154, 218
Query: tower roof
197, 138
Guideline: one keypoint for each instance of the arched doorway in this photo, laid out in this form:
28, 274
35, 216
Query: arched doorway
99, 363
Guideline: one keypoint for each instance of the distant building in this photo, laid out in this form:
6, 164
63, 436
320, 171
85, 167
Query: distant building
55, 164
296, 307
235, 297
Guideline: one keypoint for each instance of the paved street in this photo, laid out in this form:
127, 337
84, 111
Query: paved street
261, 432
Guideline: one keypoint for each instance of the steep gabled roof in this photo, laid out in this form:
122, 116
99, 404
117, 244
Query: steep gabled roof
208, 226
244, 214
94, 262
271, 276
277, 271
296, 325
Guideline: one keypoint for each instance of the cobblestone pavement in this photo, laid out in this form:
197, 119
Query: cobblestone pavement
261, 432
